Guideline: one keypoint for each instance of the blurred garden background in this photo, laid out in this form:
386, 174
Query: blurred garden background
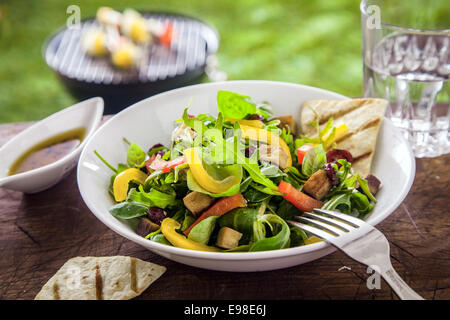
316, 43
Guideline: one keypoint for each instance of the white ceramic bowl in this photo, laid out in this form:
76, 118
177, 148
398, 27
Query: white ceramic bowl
87, 114
151, 121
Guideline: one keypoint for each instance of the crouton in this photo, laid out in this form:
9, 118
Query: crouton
273, 154
374, 184
146, 226
287, 121
183, 131
228, 238
197, 202
317, 185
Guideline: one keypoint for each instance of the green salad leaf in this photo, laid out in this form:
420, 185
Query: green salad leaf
240, 219
234, 105
365, 187
159, 237
349, 202
128, 210
265, 109
154, 198
136, 156
254, 195
202, 231
278, 228
298, 237
255, 172
314, 160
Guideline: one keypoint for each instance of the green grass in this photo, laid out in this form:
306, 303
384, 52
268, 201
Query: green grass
315, 43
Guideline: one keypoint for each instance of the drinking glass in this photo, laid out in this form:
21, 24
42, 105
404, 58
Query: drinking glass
406, 61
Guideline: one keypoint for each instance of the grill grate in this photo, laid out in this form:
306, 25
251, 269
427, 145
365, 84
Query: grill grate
194, 41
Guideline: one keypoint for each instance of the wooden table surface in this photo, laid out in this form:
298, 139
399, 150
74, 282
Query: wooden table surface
39, 232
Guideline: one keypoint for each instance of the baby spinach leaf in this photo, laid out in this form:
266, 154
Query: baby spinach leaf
349, 202
234, 105
270, 170
278, 228
154, 198
193, 123
240, 219
203, 230
266, 190
245, 184
135, 156
128, 210
360, 202
188, 220
287, 210
314, 160
159, 237
253, 195
265, 109
298, 236
340, 202
257, 176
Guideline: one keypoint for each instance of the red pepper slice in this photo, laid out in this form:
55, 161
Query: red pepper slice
300, 200
220, 207
301, 151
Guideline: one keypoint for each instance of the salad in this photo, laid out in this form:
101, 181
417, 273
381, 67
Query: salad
232, 182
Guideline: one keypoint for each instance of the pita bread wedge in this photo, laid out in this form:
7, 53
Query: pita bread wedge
363, 118
100, 278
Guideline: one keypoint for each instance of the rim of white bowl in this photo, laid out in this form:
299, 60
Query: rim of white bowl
315, 247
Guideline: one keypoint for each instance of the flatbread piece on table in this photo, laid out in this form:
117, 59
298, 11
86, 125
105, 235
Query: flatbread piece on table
363, 118
100, 278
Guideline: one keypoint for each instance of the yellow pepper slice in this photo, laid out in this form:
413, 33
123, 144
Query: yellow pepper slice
168, 229
120, 184
268, 137
139, 32
340, 132
250, 123
203, 178
312, 239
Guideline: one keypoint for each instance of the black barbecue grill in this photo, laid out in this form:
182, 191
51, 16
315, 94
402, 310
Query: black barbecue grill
161, 69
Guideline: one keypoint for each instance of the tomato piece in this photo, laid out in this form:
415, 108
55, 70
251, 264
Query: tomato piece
219, 208
301, 151
149, 162
174, 163
300, 200
165, 166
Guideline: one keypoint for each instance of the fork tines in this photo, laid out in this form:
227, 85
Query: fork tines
327, 224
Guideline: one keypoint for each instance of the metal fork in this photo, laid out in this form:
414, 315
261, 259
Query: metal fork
360, 241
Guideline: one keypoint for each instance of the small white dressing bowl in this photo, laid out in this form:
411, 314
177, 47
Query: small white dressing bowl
86, 114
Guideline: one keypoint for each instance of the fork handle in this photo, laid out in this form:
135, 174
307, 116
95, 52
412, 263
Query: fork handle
397, 284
